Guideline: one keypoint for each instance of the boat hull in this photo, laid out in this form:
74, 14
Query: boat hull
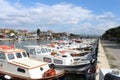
59, 73
74, 68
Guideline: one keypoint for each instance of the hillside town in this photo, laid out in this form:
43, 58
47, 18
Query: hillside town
9, 34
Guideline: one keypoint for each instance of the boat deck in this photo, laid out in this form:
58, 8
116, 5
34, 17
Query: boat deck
31, 63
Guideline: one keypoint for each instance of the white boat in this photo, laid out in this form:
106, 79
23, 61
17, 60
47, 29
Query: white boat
15, 64
71, 46
58, 59
78, 51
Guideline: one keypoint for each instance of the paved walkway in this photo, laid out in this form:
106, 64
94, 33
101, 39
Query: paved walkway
112, 50
102, 60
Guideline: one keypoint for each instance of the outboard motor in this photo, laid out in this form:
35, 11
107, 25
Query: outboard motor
110, 76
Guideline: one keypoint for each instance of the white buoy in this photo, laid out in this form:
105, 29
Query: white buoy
7, 77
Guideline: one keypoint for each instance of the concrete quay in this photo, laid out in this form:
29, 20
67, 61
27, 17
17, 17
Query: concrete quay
102, 62
102, 59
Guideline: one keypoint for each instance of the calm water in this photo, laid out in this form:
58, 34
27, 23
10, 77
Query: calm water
21, 44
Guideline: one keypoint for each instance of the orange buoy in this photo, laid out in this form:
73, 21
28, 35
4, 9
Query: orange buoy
50, 72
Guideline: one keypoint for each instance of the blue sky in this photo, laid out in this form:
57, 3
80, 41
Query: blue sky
73, 16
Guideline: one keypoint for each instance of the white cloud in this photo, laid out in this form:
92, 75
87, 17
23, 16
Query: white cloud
106, 16
94, 29
75, 18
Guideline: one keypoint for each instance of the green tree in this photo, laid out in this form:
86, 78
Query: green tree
38, 33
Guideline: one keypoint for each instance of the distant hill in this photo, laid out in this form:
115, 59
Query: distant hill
112, 34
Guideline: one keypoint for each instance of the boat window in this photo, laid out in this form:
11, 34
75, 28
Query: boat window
41, 68
83, 59
49, 50
2, 55
43, 50
32, 51
69, 43
64, 55
38, 51
18, 55
21, 70
53, 50
46, 50
24, 54
46, 59
58, 61
11, 56
57, 47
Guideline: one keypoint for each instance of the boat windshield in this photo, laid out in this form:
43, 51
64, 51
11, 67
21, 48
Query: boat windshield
49, 50
11, 56
44, 50
24, 54
38, 51
18, 55
2, 55
32, 51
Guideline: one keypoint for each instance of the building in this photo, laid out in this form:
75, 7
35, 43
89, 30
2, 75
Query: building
46, 34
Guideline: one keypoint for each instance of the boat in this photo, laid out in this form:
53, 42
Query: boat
109, 74
15, 64
74, 43
58, 59
74, 48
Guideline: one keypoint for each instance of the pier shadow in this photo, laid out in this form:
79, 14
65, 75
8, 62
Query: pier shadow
71, 76
110, 44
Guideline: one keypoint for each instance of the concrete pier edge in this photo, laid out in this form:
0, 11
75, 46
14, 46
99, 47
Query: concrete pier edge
102, 62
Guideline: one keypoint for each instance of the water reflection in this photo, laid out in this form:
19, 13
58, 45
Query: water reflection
21, 44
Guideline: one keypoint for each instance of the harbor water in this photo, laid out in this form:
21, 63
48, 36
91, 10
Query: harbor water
21, 44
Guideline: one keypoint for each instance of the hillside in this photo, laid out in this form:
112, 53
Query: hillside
112, 34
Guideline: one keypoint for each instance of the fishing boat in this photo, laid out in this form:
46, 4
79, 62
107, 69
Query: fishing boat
74, 48
73, 44
15, 64
58, 59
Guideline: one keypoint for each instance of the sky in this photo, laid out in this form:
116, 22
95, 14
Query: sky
92, 17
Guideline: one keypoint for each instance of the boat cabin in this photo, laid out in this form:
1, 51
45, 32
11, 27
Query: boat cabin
46, 54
